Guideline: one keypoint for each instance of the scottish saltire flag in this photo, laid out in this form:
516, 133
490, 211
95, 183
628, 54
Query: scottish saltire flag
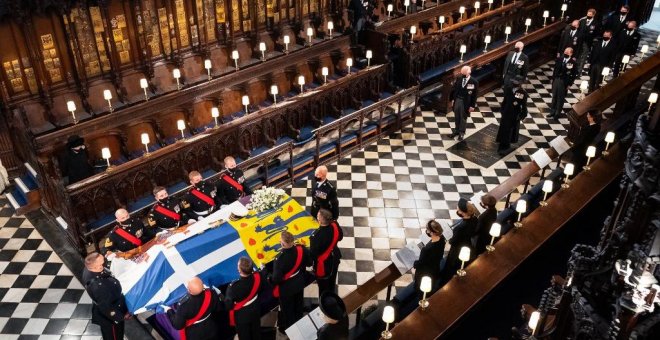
260, 233
212, 255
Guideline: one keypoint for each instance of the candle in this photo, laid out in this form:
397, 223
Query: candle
564, 7
262, 48
521, 208
487, 41
301, 82
310, 34
490, 4
105, 153
406, 3
462, 50
495, 230
644, 50
107, 95
388, 318
609, 138
533, 321
477, 5
349, 64
207, 66
546, 14
625, 59
177, 74
274, 91
71, 106
528, 22
547, 188
215, 113
286, 43
584, 86
235, 56
331, 26
569, 169
507, 31
605, 73
390, 8
144, 84
246, 102
590, 153
462, 11
425, 286
464, 256
441, 20
145, 140
181, 125
324, 72
368, 55
413, 30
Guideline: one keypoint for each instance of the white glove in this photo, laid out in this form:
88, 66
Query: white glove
165, 308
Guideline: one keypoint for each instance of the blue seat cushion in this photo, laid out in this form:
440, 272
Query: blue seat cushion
435, 72
303, 158
101, 221
283, 140
29, 182
328, 120
385, 94
278, 171
176, 187
140, 203
253, 182
305, 133
208, 173
346, 112
348, 137
328, 147
367, 102
369, 127
258, 151
19, 196
483, 72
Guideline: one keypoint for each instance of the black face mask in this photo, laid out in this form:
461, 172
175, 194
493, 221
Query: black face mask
606, 38
428, 233
630, 29
589, 17
318, 179
624, 13
573, 28
518, 49
566, 56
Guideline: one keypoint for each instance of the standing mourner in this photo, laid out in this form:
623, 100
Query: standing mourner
109, 306
590, 29
334, 312
516, 66
464, 100
428, 263
627, 44
514, 110
602, 55
193, 316
323, 246
563, 76
324, 194
571, 37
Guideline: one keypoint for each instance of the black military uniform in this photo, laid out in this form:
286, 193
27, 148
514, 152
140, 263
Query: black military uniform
241, 300
514, 109
563, 76
323, 246
590, 29
231, 186
128, 235
333, 307
464, 95
516, 67
627, 43
109, 306
602, 55
168, 213
570, 37
324, 195
288, 278
188, 320
202, 199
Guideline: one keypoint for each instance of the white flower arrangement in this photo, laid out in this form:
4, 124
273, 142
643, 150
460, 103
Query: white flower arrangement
265, 198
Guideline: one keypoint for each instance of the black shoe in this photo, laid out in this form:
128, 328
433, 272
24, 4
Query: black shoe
453, 135
460, 138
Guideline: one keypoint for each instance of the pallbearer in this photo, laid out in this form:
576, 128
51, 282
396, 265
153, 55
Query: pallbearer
129, 233
325, 251
201, 196
288, 279
168, 212
231, 185
241, 301
194, 313
324, 194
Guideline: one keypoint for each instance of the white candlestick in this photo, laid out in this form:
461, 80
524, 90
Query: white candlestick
181, 125
177, 74
487, 41
71, 106
546, 14
324, 72
477, 5
605, 73
609, 138
463, 50
107, 95
310, 34
406, 3
246, 102
105, 153
262, 48
441, 20
331, 26
625, 60
528, 22
215, 113
145, 140
591, 152
349, 64
274, 91
301, 82
645, 48
564, 7
369, 54
235, 56
569, 169
286, 43
490, 4
461, 10
390, 7
207, 66
144, 85
507, 31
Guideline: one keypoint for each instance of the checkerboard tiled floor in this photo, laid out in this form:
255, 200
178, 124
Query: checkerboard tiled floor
386, 193
39, 296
